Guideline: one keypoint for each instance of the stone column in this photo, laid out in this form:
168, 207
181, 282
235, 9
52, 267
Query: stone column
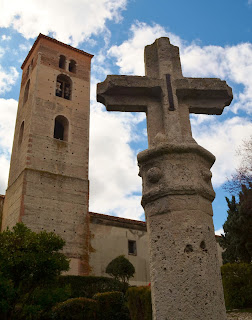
177, 199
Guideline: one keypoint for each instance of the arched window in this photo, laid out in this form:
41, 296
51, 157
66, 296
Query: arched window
62, 62
21, 134
26, 92
72, 66
61, 126
63, 87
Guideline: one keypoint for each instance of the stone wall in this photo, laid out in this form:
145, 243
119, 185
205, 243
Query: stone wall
1, 208
110, 238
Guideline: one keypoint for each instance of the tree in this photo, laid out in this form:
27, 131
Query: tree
29, 260
121, 269
237, 240
243, 175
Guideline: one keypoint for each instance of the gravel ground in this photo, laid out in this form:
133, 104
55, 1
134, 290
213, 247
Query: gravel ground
239, 316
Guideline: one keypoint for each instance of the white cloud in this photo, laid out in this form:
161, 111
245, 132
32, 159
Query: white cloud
219, 232
2, 52
130, 54
8, 110
25, 47
70, 21
222, 138
5, 38
114, 177
4, 173
7, 79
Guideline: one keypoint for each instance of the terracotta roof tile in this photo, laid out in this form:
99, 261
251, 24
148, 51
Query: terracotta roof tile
56, 41
113, 218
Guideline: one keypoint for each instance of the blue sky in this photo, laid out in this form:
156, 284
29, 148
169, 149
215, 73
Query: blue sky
215, 41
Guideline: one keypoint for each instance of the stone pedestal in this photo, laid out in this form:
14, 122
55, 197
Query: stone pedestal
177, 199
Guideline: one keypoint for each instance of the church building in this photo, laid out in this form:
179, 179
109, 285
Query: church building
48, 187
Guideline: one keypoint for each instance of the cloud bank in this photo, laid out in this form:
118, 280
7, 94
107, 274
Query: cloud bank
70, 21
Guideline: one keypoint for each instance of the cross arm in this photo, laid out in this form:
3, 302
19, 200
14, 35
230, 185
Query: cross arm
128, 93
208, 95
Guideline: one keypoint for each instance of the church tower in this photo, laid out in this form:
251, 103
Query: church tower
48, 184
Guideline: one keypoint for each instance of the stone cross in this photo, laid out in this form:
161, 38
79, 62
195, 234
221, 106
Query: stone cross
177, 191
164, 94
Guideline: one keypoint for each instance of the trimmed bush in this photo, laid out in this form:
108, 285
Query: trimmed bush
75, 309
87, 286
237, 284
139, 303
121, 269
111, 306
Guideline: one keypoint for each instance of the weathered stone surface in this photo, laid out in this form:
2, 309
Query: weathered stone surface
177, 190
236, 315
185, 271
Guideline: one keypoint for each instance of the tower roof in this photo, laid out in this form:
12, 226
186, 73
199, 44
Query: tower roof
42, 36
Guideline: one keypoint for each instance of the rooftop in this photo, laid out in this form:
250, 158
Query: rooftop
42, 36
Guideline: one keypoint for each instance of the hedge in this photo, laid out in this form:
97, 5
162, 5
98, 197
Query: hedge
75, 309
87, 286
111, 306
139, 303
237, 285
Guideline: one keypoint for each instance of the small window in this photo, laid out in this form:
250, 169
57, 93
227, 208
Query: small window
72, 66
132, 247
61, 128
26, 92
21, 134
63, 87
62, 62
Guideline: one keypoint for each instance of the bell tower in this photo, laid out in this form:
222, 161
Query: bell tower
48, 184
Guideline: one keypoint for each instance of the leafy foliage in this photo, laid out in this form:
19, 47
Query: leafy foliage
7, 294
75, 309
237, 240
121, 269
87, 286
237, 284
29, 261
139, 303
111, 306
42, 300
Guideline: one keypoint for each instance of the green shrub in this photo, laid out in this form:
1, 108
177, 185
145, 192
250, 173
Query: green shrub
75, 309
87, 286
237, 284
139, 303
111, 306
39, 304
121, 269
7, 295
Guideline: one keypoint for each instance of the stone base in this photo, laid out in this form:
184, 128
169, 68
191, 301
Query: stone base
177, 198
